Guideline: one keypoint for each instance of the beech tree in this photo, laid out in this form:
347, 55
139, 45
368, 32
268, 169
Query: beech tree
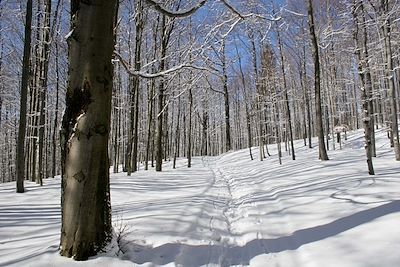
85, 200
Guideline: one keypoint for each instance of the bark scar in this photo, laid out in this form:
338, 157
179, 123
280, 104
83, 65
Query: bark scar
77, 103
80, 176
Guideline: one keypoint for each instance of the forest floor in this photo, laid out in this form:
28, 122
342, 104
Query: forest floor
229, 210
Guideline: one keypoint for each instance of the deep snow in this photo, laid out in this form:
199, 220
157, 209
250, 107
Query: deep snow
229, 210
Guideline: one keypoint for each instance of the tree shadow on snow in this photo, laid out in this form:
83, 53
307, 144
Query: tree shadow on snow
197, 255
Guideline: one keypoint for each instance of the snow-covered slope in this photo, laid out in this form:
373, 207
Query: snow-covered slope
228, 210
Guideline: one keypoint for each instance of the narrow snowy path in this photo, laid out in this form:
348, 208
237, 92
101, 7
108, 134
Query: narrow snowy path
244, 215
215, 227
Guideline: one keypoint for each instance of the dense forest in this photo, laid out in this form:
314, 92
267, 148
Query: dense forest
90, 85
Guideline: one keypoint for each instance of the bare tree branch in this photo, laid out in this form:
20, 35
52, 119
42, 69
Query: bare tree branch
211, 87
233, 10
161, 73
176, 14
187, 12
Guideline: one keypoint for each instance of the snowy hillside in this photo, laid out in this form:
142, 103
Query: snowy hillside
228, 211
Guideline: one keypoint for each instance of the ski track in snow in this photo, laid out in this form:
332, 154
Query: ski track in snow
229, 211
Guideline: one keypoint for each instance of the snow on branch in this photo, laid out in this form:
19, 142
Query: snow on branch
161, 73
295, 13
211, 87
176, 14
249, 15
187, 12
232, 9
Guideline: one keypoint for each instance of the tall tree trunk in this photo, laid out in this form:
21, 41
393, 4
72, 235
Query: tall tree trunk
204, 150
277, 132
35, 98
189, 133
165, 129
177, 135
54, 137
153, 134
24, 96
390, 77
303, 77
117, 117
2, 156
33, 123
130, 119
249, 136
136, 82
149, 125
129, 161
190, 99
55, 27
317, 83
44, 66
286, 95
368, 82
248, 119
85, 193
258, 98
228, 145
160, 111
361, 56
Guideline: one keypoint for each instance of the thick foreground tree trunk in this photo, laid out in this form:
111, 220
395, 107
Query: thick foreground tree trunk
85, 199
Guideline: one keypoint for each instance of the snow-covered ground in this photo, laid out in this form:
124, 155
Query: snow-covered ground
229, 210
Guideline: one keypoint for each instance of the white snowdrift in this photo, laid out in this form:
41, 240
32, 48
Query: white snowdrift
228, 211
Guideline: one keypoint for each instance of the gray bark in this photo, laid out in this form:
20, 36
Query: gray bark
24, 95
44, 66
317, 83
85, 199
54, 137
228, 145
390, 77
161, 89
259, 96
248, 119
360, 52
136, 82
285, 88
177, 134
189, 133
